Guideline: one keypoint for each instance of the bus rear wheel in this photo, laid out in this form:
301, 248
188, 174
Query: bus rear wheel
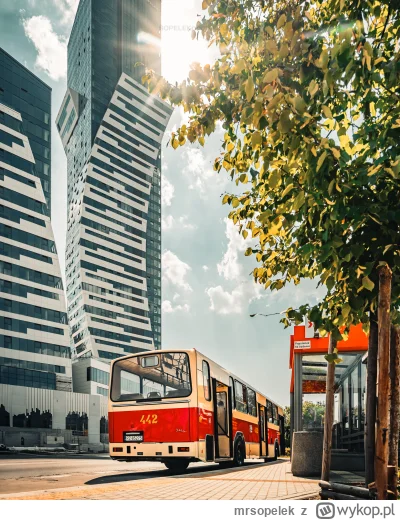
177, 466
239, 454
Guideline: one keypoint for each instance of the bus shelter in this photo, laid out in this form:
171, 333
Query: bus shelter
308, 365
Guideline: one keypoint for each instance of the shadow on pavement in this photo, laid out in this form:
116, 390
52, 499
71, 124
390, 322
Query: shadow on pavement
195, 471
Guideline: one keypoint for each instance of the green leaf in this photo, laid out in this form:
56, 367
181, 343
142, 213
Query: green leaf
274, 179
331, 358
286, 124
281, 21
299, 201
256, 139
346, 310
327, 112
271, 75
224, 30
367, 283
287, 190
313, 88
249, 88
330, 283
323, 60
300, 104
321, 160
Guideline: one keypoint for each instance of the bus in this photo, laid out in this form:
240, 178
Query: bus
178, 406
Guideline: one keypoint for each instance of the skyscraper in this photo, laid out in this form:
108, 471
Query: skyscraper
34, 339
111, 130
28, 95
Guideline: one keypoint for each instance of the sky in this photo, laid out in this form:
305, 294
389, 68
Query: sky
208, 292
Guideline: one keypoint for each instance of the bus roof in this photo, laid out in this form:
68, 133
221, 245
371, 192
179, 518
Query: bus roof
167, 351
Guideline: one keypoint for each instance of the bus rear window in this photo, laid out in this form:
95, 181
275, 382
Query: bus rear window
138, 378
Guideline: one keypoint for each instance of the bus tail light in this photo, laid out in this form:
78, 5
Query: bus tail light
119, 450
183, 449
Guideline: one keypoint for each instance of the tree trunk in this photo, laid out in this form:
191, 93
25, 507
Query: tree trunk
370, 412
394, 408
329, 405
382, 423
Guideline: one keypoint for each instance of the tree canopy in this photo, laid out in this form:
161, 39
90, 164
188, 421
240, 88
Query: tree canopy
308, 96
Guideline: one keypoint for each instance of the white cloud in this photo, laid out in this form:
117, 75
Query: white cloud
205, 268
170, 222
176, 297
167, 191
183, 221
229, 267
199, 172
68, 9
175, 271
236, 301
167, 307
51, 48
167, 222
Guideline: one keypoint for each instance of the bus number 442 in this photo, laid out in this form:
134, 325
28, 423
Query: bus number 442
149, 419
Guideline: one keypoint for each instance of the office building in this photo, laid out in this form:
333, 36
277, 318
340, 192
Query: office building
111, 130
28, 95
34, 338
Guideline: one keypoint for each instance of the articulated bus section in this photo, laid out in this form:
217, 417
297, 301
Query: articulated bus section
179, 407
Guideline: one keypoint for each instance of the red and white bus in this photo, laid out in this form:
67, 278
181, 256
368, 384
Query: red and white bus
178, 407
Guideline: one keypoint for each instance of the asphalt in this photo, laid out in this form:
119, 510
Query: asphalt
25, 473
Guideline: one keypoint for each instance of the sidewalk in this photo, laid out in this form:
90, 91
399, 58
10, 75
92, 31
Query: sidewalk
271, 481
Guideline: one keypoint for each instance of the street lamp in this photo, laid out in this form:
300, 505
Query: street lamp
267, 315
259, 314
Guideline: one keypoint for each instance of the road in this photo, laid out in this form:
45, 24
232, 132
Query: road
98, 478
20, 473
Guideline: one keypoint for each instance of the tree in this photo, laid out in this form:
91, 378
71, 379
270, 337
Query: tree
308, 95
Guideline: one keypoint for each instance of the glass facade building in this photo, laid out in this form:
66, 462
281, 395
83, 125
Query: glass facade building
34, 336
28, 95
111, 130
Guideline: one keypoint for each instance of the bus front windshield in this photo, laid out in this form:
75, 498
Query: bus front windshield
151, 377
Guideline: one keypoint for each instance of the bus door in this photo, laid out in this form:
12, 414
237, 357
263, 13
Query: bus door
223, 422
263, 431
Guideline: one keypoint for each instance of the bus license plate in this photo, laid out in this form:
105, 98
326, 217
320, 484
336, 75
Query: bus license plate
133, 437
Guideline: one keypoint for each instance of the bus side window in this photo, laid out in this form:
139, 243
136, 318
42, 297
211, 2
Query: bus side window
269, 412
276, 416
232, 385
251, 400
206, 381
240, 397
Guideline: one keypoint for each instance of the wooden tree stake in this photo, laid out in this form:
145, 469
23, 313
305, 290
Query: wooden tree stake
382, 422
394, 408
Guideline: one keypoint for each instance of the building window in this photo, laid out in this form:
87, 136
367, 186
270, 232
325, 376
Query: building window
102, 391
98, 376
7, 323
206, 381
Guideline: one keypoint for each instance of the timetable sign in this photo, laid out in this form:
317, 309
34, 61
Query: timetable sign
299, 345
